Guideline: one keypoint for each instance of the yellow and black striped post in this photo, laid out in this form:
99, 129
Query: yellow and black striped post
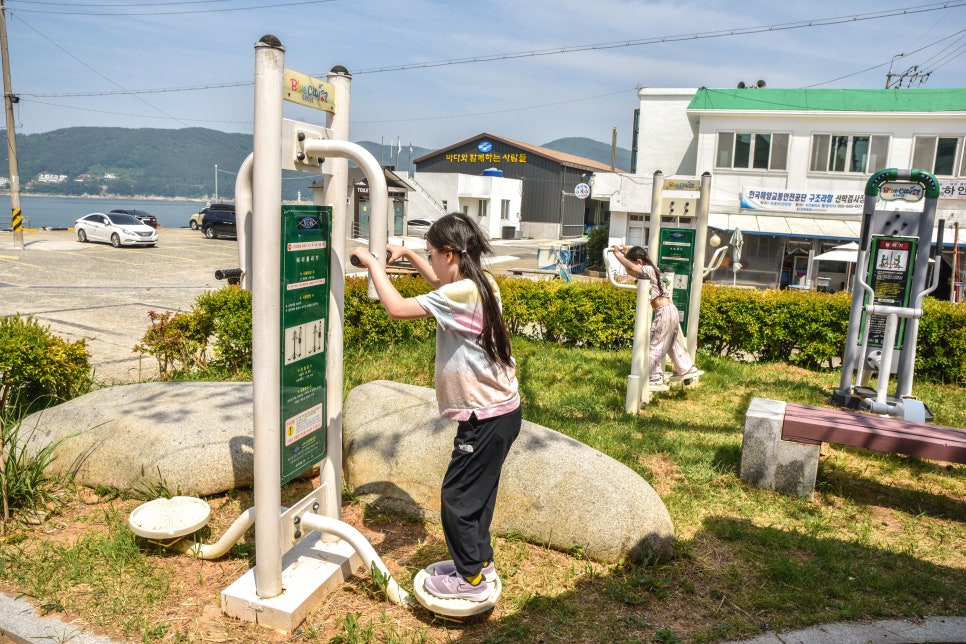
17, 220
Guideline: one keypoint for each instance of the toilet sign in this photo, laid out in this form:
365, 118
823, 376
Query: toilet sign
581, 191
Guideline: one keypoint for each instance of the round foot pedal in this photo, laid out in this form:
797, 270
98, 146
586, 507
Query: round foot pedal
169, 518
452, 608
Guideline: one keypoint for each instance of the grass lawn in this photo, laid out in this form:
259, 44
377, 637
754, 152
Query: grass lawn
883, 537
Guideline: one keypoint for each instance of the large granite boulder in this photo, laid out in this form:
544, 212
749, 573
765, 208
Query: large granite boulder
195, 438
554, 490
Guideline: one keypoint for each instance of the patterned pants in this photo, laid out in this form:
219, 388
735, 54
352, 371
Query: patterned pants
664, 343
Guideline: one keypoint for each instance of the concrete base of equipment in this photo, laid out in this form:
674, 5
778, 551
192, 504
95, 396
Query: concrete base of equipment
453, 608
310, 571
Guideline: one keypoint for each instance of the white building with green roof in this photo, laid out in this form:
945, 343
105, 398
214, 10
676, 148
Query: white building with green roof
788, 166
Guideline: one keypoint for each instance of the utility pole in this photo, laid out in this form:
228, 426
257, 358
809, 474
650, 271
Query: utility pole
8, 100
910, 76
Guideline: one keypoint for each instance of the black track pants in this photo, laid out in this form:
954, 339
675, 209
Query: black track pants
470, 485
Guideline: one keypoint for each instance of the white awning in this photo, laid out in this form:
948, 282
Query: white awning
810, 227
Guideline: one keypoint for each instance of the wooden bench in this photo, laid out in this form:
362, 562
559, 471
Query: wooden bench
781, 443
806, 424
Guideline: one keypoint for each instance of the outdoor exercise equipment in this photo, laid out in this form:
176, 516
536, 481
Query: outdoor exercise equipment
889, 286
453, 608
292, 259
680, 256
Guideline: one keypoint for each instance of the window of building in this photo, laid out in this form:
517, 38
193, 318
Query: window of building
751, 150
862, 153
940, 155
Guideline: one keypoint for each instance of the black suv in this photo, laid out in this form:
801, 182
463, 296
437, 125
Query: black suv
140, 215
218, 223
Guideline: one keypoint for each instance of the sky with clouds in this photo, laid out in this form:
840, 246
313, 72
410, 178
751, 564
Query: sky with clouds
435, 72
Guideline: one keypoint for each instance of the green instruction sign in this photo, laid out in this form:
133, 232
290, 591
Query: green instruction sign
890, 276
675, 259
304, 318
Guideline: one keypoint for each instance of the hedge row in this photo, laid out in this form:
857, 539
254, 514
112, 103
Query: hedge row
800, 328
805, 329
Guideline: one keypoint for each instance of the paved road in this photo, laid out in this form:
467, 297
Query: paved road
103, 294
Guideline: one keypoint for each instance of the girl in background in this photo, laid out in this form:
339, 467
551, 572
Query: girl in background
476, 385
667, 319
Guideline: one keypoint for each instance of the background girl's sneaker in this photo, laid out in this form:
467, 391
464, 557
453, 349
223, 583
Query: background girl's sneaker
691, 373
455, 587
449, 568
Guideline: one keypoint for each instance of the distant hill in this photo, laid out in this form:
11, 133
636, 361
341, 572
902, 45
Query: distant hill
590, 149
133, 162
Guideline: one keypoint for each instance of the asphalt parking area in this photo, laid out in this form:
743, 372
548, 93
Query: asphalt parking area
103, 294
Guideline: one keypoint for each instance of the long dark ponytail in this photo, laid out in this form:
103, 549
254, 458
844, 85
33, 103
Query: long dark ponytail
458, 233
635, 253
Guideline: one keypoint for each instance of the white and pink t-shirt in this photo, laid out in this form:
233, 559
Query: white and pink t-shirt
467, 381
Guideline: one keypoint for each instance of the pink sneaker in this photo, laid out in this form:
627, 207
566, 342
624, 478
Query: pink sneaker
455, 587
449, 568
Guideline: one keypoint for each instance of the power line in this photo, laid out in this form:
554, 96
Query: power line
558, 50
171, 13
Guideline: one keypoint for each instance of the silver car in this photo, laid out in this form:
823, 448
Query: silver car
418, 227
117, 228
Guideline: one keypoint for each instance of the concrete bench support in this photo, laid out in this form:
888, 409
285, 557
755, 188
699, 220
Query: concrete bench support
770, 463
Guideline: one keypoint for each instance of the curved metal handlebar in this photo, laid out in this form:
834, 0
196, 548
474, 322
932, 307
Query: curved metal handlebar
610, 274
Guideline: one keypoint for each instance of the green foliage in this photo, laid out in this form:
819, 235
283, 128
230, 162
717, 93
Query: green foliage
215, 336
366, 321
941, 350
25, 484
804, 329
106, 563
226, 314
596, 243
38, 369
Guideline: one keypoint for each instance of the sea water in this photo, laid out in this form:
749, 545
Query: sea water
62, 212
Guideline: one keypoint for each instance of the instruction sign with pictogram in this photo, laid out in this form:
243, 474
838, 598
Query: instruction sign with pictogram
890, 276
675, 260
304, 315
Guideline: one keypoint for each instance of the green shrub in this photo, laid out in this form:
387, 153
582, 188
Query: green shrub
596, 243
800, 328
226, 314
368, 324
38, 369
941, 350
215, 336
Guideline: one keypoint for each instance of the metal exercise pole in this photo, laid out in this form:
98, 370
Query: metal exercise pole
334, 194
851, 355
266, 303
907, 358
638, 389
697, 268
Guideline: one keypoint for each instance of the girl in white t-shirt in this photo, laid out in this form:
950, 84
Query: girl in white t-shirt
476, 385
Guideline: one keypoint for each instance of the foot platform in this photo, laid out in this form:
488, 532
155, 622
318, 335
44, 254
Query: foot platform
452, 608
685, 377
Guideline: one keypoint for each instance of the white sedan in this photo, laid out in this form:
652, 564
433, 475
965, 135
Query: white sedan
117, 228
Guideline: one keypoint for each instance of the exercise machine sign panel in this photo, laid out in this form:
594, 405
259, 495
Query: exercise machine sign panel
304, 314
889, 275
675, 259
